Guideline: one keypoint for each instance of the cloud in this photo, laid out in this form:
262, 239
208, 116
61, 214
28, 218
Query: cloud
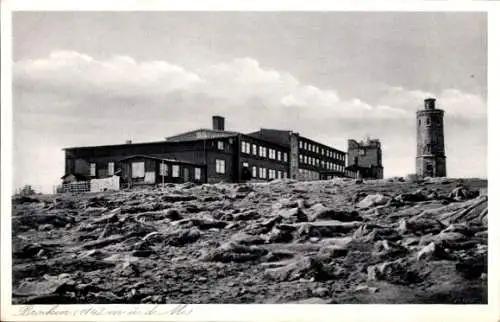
233, 83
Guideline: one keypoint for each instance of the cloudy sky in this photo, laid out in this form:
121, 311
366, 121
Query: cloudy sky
102, 78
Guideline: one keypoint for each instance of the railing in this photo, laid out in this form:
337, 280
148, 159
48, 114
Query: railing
77, 187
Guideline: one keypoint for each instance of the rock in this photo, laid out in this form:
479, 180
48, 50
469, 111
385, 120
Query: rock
111, 217
396, 272
332, 251
177, 197
182, 237
247, 215
373, 200
324, 229
321, 292
331, 214
385, 250
420, 226
203, 224
49, 285
246, 239
278, 235
363, 288
371, 232
432, 251
293, 215
232, 252
304, 268
45, 227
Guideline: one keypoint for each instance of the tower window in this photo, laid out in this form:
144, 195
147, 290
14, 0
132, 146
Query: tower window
419, 122
428, 121
428, 148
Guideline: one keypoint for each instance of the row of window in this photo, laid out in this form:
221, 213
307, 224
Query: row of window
263, 173
316, 149
138, 170
263, 152
317, 162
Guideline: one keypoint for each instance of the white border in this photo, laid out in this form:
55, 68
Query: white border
302, 312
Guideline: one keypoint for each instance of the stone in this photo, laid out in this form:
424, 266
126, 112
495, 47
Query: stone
373, 200
247, 215
303, 268
331, 214
246, 239
293, 214
321, 292
433, 252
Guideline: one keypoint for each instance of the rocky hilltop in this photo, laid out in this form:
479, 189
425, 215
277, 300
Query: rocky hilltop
336, 241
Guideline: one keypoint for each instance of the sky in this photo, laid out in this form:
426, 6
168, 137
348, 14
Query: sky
95, 78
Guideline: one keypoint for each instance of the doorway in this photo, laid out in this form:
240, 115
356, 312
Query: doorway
186, 174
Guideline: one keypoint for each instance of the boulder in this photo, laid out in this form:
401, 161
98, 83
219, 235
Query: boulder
340, 215
246, 239
433, 251
307, 268
373, 200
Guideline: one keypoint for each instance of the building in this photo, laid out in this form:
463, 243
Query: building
431, 159
208, 156
364, 159
309, 160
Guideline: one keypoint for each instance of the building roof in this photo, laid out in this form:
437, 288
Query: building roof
200, 134
157, 158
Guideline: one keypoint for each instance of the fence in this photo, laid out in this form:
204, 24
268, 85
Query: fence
94, 185
77, 187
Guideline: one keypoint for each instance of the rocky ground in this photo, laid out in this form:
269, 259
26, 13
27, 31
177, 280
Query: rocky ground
332, 241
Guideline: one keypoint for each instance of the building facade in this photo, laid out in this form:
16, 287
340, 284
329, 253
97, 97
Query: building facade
309, 160
209, 156
364, 159
431, 158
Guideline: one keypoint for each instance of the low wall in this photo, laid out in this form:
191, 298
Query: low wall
112, 183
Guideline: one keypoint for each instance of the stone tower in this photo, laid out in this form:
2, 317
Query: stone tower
431, 159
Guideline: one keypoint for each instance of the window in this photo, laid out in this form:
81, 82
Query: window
111, 168
301, 144
428, 148
137, 169
279, 155
254, 149
220, 166
245, 164
92, 169
272, 154
301, 158
322, 151
262, 151
245, 147
279, 174
220, 145
197, 174
362, 152
176, 171
285, 157
419, 122
428, 121
163, 169
262, 173
254, 171
272, 174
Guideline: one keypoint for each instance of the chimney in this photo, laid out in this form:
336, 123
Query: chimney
218, 123
430, 103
